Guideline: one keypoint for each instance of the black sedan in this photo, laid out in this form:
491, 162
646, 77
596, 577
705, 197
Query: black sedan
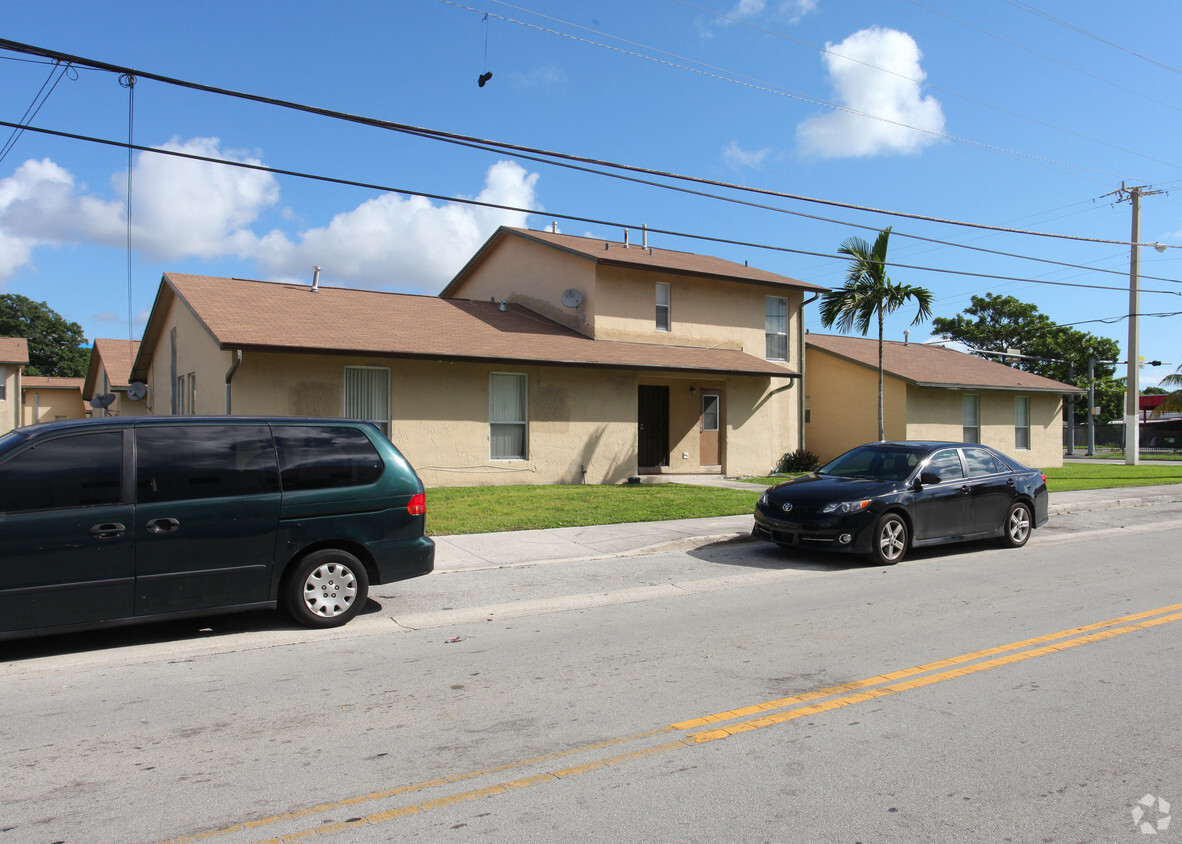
880, 499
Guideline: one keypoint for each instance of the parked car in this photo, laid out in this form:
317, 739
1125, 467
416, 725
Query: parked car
881, 499
117, 520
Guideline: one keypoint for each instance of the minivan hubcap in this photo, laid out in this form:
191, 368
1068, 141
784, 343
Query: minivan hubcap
330, 590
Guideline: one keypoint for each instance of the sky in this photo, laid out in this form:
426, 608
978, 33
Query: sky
1021, 120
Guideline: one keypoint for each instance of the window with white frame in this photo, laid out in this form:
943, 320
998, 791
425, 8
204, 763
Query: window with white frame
776, 328
192, 393
179, 396
972, 419
508, 427
663, 321
1022, 423
367, 395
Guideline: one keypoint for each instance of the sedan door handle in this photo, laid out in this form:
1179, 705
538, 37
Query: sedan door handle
966, 489
110, 530
165, 525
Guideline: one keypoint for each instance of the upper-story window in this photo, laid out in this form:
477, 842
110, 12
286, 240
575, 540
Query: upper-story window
662, 306
776, 328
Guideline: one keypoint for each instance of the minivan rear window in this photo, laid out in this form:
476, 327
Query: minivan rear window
181, 462
325, 456
77, 471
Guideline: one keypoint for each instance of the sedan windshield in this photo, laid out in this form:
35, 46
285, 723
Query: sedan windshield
874, 462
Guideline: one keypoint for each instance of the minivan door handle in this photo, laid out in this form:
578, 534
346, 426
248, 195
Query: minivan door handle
165, 525
110, 530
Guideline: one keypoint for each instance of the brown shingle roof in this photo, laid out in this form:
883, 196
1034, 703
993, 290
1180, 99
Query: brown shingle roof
263, 315
14, 350
116, 356
610, 253
935, 366
51, 382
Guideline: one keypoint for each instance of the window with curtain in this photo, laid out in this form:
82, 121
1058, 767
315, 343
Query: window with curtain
663, 321
367, 395
972, 420
1022, 423
776, 328
508, 415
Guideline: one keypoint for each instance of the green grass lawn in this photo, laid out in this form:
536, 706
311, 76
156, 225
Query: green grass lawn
488, 509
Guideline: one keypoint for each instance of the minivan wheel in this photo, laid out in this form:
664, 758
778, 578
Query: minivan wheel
1016, 529
326, 589
889, 543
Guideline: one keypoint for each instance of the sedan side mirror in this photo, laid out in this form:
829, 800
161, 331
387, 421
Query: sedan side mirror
928, 478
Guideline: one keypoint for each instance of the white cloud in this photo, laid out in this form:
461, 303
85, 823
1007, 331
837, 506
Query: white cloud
185, 209
548, 78
182, 208
738, 158
875, 71
400, 243
791, 10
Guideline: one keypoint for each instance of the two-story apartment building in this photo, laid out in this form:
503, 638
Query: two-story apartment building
548, 359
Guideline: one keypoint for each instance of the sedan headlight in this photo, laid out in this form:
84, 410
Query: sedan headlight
846, 506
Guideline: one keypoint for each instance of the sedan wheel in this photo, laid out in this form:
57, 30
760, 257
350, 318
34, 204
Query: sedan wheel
890, 540
1016, 529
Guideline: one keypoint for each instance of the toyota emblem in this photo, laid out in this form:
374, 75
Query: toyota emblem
786, 506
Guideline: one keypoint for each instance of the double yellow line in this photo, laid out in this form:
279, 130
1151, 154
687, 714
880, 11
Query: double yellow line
720, 725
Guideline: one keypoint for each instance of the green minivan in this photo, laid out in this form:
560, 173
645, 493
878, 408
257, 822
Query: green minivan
127, 519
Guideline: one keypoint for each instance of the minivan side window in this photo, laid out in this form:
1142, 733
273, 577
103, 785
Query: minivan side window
325, 456
78, 471
181, 462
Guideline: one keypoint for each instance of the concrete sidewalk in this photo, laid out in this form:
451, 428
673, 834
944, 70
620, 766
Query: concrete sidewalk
471, 552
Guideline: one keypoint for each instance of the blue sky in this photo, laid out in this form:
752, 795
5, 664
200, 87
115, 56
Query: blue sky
998, 112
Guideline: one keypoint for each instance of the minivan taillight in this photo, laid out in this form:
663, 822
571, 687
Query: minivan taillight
417, 506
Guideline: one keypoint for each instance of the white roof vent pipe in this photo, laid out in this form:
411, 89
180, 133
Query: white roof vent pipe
315, 279
644, 242
625, 238
906, 337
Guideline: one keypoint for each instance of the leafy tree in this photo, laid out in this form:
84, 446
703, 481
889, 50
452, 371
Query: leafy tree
868, 293
56, 345
1000, 323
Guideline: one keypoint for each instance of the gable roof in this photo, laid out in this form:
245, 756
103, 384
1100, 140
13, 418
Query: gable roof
926, 365
634, 256
116, 356
269, 316
14, 350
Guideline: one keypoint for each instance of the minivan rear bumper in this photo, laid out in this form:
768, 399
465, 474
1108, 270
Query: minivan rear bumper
402, 559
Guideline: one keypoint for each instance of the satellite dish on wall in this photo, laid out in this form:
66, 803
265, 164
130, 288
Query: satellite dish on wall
104, 401
572, 297
136, 390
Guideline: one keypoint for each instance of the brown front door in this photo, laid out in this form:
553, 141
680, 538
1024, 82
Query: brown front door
708, 450
652, 422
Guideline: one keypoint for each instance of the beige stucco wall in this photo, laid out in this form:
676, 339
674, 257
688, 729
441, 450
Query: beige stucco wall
525, 273
842, 399
198, 354
939, 415
46, 404
10, 405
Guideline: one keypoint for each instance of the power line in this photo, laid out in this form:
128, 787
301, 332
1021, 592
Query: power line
539, 212
519, 148
920, 82
770, 88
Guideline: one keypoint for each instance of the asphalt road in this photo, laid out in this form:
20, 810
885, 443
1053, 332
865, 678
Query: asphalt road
728, 693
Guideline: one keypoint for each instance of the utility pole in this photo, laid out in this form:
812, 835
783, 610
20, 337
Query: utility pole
1132, 388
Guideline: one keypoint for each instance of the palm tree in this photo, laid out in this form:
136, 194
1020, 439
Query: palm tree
869, 293
1173, 400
